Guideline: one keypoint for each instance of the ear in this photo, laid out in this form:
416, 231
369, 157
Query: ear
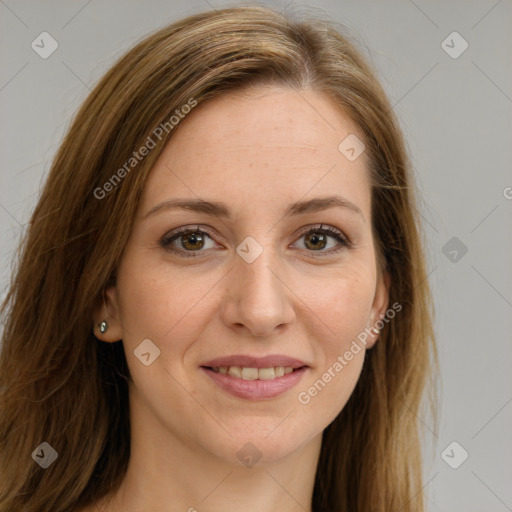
107, 310
379, 306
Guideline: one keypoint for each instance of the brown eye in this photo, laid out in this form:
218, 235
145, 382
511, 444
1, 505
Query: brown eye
193, 241
187, 242
315, 241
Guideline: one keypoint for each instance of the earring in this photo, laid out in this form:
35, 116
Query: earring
375, 330
103, 327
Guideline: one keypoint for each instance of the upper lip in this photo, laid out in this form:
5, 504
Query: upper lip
255, 362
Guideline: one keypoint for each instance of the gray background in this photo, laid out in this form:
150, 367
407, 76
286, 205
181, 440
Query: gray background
456, 115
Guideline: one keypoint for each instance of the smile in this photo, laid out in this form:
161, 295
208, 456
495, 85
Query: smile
255, 383
254, 373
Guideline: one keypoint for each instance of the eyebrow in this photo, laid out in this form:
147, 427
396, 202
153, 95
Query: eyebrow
220, 209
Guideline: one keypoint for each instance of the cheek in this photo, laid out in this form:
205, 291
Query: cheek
342, 308
343, 303
162, 306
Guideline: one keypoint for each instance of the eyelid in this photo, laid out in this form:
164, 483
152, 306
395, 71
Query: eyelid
166, 241
328, 230
344, 241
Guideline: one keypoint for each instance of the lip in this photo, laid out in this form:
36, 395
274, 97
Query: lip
255, 389
255, 362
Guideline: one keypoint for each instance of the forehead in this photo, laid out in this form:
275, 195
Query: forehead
267, 146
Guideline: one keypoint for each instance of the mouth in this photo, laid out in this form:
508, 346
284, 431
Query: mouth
252, 373
255, 378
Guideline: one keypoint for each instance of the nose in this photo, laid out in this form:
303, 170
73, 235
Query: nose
257, 300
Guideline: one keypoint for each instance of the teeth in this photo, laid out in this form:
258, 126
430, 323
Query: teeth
235, 371
254, 373
266, 373
250, 373
279, 371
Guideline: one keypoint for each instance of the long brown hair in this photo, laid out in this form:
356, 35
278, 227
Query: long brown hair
59, 384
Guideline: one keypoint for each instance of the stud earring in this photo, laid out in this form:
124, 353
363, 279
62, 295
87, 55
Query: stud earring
375, 330
103, 327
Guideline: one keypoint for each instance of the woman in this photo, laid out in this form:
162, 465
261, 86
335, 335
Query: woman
222, 296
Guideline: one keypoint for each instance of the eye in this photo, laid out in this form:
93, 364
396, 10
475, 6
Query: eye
189, 240
316, 239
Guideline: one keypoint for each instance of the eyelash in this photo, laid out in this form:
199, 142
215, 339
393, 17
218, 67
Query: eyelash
167, 240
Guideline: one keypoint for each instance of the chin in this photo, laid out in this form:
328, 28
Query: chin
261, 445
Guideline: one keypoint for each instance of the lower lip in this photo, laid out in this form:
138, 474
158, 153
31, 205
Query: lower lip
255, 389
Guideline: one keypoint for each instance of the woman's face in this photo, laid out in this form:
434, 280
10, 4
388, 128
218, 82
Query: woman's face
251, 283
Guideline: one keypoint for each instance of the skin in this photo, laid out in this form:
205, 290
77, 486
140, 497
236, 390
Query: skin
256, 151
